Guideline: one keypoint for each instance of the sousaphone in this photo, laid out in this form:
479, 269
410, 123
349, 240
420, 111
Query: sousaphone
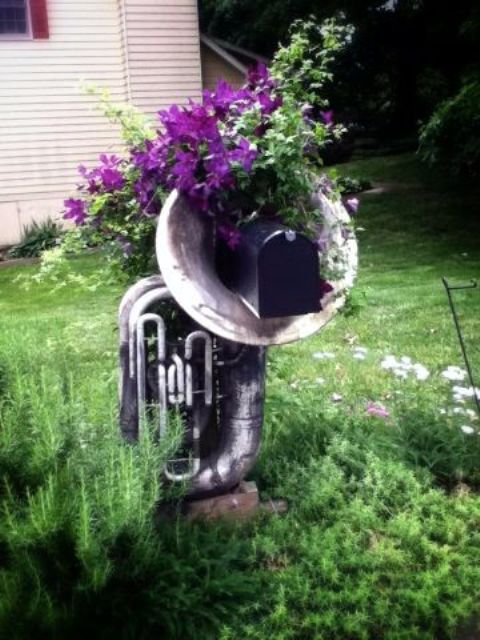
213, 376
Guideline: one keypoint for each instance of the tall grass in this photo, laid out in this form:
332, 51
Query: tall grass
381, 538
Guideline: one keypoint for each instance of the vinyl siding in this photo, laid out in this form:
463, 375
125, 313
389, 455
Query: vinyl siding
144, 51
163, 44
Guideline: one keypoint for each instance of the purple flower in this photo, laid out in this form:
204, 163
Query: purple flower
269, 103
112, 179
106, 177
230, 234
259, 77
91, 186
322, 239
327, 117
325, 184
125, 245
352, 205
245, 154
378, 410
75, 210
325, 287
221, 99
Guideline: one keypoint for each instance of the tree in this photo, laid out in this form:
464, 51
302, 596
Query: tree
405, 57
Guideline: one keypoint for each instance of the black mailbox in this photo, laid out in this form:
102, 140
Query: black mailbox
274, 270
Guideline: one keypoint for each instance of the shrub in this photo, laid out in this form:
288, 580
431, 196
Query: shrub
367, 550
37, 238
452, 135
238, 155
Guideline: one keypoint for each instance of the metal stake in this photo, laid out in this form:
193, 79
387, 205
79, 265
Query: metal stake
472, 285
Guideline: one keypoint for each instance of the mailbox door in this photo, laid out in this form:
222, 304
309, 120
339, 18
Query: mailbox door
288, 277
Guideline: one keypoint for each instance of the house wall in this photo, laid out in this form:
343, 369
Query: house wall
144, 51
214, 68
163, 44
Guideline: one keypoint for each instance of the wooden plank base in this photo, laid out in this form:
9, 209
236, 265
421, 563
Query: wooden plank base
241, 503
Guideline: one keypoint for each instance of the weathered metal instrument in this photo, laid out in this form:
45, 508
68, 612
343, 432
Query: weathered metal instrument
214, 374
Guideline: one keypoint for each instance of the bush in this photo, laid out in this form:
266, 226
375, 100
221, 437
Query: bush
367, 550
452, 134
237, 155
37, 238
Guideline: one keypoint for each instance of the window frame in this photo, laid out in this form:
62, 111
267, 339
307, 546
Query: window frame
28, 35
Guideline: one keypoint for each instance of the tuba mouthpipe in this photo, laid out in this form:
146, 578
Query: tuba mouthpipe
128, 385
141, 361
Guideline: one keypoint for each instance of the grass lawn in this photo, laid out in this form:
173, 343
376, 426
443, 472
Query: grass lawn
382, 538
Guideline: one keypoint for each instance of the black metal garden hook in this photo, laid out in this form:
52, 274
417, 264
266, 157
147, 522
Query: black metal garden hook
449, 288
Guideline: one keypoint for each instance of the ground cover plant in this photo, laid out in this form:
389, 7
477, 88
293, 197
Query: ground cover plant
369, 434
237, 156
36, 238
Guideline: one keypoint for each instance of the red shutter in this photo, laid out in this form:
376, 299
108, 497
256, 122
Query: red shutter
39, 18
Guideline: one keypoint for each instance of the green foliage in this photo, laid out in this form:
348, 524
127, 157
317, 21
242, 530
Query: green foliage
374, 545
395, 70
452, 134
37, 237
304, 66
347, 185
285, 176
121, 219
287, 145
425, 439
368, 550
135, 126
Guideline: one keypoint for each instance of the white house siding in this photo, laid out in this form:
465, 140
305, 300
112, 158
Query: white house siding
143, 50
163, 45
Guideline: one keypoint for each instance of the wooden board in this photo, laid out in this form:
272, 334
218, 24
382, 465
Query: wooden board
241, 503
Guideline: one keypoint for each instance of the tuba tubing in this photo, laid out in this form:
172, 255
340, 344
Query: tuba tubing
241, 402
128, 384
239, 397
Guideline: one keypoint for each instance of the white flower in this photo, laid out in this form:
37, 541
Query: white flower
359, 356
467, 429
336, 397
324, 355
320, 380
420, 371
443, 412
403, 367
361, 349
465, 392
453, 373
389, 362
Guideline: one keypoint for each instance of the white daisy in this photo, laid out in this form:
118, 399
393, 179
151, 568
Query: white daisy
324, 355
453, 373
467, 429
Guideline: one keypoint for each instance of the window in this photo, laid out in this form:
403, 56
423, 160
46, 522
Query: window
14, 18
24, 19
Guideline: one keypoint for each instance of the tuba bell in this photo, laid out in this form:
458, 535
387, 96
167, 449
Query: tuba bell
210, 369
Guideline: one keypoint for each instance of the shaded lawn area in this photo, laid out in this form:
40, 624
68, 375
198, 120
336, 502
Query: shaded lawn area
381, 539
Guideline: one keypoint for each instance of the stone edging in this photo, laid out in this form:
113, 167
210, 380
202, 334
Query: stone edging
17, 262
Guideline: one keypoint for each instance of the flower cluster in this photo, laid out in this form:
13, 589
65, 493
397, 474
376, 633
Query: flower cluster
240, 153
404, 367
199, 152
